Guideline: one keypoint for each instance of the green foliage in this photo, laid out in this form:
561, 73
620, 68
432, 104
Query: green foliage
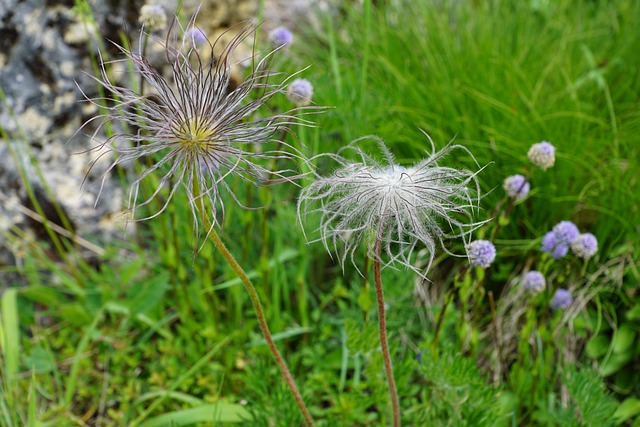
159, 331
589, 403
456, 393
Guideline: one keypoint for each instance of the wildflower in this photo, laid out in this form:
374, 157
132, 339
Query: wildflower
553, 245
516, 187
542, 154
565, 232
300, 92
195, 130
153, 17
481, 253
562, 299
560, 251
380, 202
534, 281
280, 36
195, 36
585, 246
548, 242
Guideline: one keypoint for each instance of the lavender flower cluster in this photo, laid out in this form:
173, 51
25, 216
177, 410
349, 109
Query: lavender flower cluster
566, 235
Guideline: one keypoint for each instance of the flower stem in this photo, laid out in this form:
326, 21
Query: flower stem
395, 404
253, 294
255, 300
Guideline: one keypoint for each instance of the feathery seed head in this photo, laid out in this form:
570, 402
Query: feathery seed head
542, 154
585, 246
562, 299
376, 201
481, 253
280, 36
153, 17
300, 92
516, 187
195, 130
566, 232
534, 282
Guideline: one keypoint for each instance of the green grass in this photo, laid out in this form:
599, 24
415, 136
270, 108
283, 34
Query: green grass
158, 333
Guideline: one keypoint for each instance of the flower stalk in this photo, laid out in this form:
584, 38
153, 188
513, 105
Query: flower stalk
382, 323
257, 306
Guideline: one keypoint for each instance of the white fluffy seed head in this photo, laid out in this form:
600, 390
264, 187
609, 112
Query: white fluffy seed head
368, 200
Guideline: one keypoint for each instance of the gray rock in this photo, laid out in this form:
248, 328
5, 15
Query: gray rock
45, 54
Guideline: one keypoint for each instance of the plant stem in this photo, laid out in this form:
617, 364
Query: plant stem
395, 404
255, 300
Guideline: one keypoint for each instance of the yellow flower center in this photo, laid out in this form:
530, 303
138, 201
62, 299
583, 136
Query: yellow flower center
195, 133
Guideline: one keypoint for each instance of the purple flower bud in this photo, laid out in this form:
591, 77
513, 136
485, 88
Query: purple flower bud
548, 242
585, 246
534, 282
566, 232
481, 253
542, 155
561, 300
195, 36
300, 92
516, 187
280, 36
560, 251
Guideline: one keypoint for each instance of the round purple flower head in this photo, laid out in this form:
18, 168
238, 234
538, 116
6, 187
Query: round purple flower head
560, 251
566, 232
534, 282
196, 36
552, 245
548, 242
300, 92
280, 36
561, 300
542, 154
481, 253
516, 187
585, 246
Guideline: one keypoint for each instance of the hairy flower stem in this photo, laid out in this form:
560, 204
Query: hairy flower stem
257, 306
395, 404
253, 294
